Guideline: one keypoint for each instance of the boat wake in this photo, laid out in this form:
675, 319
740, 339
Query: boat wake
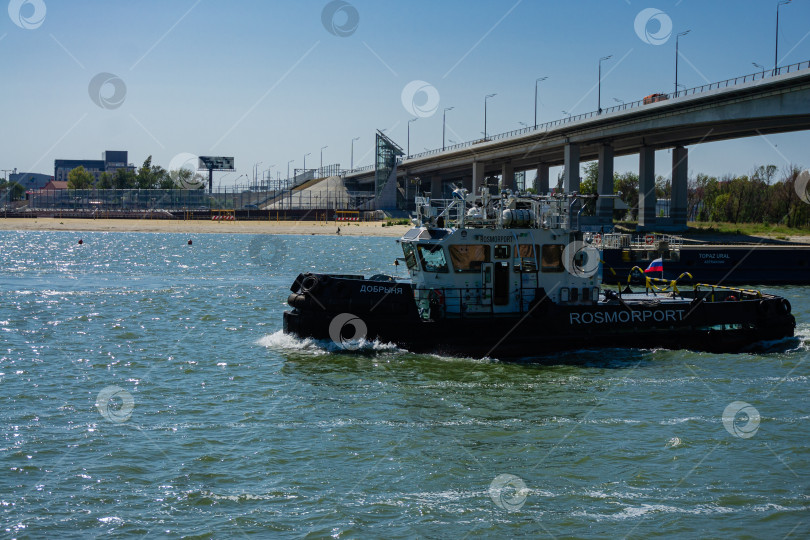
287, 342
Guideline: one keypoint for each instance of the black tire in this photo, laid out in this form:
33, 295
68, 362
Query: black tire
310, 283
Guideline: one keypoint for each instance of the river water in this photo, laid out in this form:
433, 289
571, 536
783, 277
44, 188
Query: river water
147, 390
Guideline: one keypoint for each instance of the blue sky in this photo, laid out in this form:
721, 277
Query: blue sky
265, 81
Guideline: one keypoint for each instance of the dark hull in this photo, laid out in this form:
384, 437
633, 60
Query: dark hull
390, 315
721, 264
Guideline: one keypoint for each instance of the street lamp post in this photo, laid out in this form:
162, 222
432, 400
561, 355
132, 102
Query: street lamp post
485, 113
599, 98
760, 66
255, 173
409, 133
352, 158
305, 161
322, 149
288, 169
268, 178
776, 46
541, 79
444, 123
677, 36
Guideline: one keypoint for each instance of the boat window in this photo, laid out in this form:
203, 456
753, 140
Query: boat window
432, 258
552, 258
468, 257
502, 251
410, 256
526, 260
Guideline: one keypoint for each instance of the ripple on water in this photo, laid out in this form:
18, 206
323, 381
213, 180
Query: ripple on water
236, 427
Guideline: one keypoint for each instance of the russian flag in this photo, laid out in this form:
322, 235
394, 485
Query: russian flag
656, 266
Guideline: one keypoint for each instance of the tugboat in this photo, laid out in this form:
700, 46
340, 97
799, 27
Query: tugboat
511, 275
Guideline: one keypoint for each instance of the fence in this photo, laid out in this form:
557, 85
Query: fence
140, 200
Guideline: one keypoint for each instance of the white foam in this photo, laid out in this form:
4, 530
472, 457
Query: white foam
282, 341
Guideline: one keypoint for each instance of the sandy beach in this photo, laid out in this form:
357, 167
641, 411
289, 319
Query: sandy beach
201, 226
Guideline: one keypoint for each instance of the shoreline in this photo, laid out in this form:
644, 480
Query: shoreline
202, 226
368, 228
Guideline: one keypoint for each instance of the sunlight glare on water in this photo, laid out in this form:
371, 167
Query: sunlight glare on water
148, 389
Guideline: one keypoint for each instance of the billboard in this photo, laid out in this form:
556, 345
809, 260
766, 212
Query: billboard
216, 163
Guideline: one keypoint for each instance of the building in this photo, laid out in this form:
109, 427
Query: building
110, 161
30, 181
55, 185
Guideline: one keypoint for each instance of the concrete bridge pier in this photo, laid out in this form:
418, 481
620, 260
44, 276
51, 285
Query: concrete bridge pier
646, 188
478, 176
541, 180
677, 208
467, 182
436, 187
508, 176
571, 167
604, 207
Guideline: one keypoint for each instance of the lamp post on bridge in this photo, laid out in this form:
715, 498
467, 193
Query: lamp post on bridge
305, 161
776, 46
541, 79
288, 170
409, 134
485, 113
255, 173
322, 149
444, 123
677, 36
599, 98
760, 67
268, 178
351, 166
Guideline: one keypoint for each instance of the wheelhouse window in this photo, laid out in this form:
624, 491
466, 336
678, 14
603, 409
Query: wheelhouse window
410, 255
468, 257
502, 251
432, 257
551, 260
526, 260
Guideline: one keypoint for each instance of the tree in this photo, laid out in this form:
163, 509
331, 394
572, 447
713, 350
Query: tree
13, 190
124, 179
105, 181
590, 185
80, 178
150, 176
186, 179
627, 184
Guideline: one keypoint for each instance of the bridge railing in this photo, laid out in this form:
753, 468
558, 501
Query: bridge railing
759, 75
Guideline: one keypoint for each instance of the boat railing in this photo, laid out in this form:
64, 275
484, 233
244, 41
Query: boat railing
656, 242
712, 292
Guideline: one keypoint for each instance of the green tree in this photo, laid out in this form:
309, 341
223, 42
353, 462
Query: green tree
124, 179
11, 191
167, 182
105, 181
590, 182
627, 184
150, 176
80, 178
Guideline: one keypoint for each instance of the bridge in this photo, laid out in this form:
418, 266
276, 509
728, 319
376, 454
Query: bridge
763, 103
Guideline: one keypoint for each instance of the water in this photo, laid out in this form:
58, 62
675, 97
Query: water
211, 423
